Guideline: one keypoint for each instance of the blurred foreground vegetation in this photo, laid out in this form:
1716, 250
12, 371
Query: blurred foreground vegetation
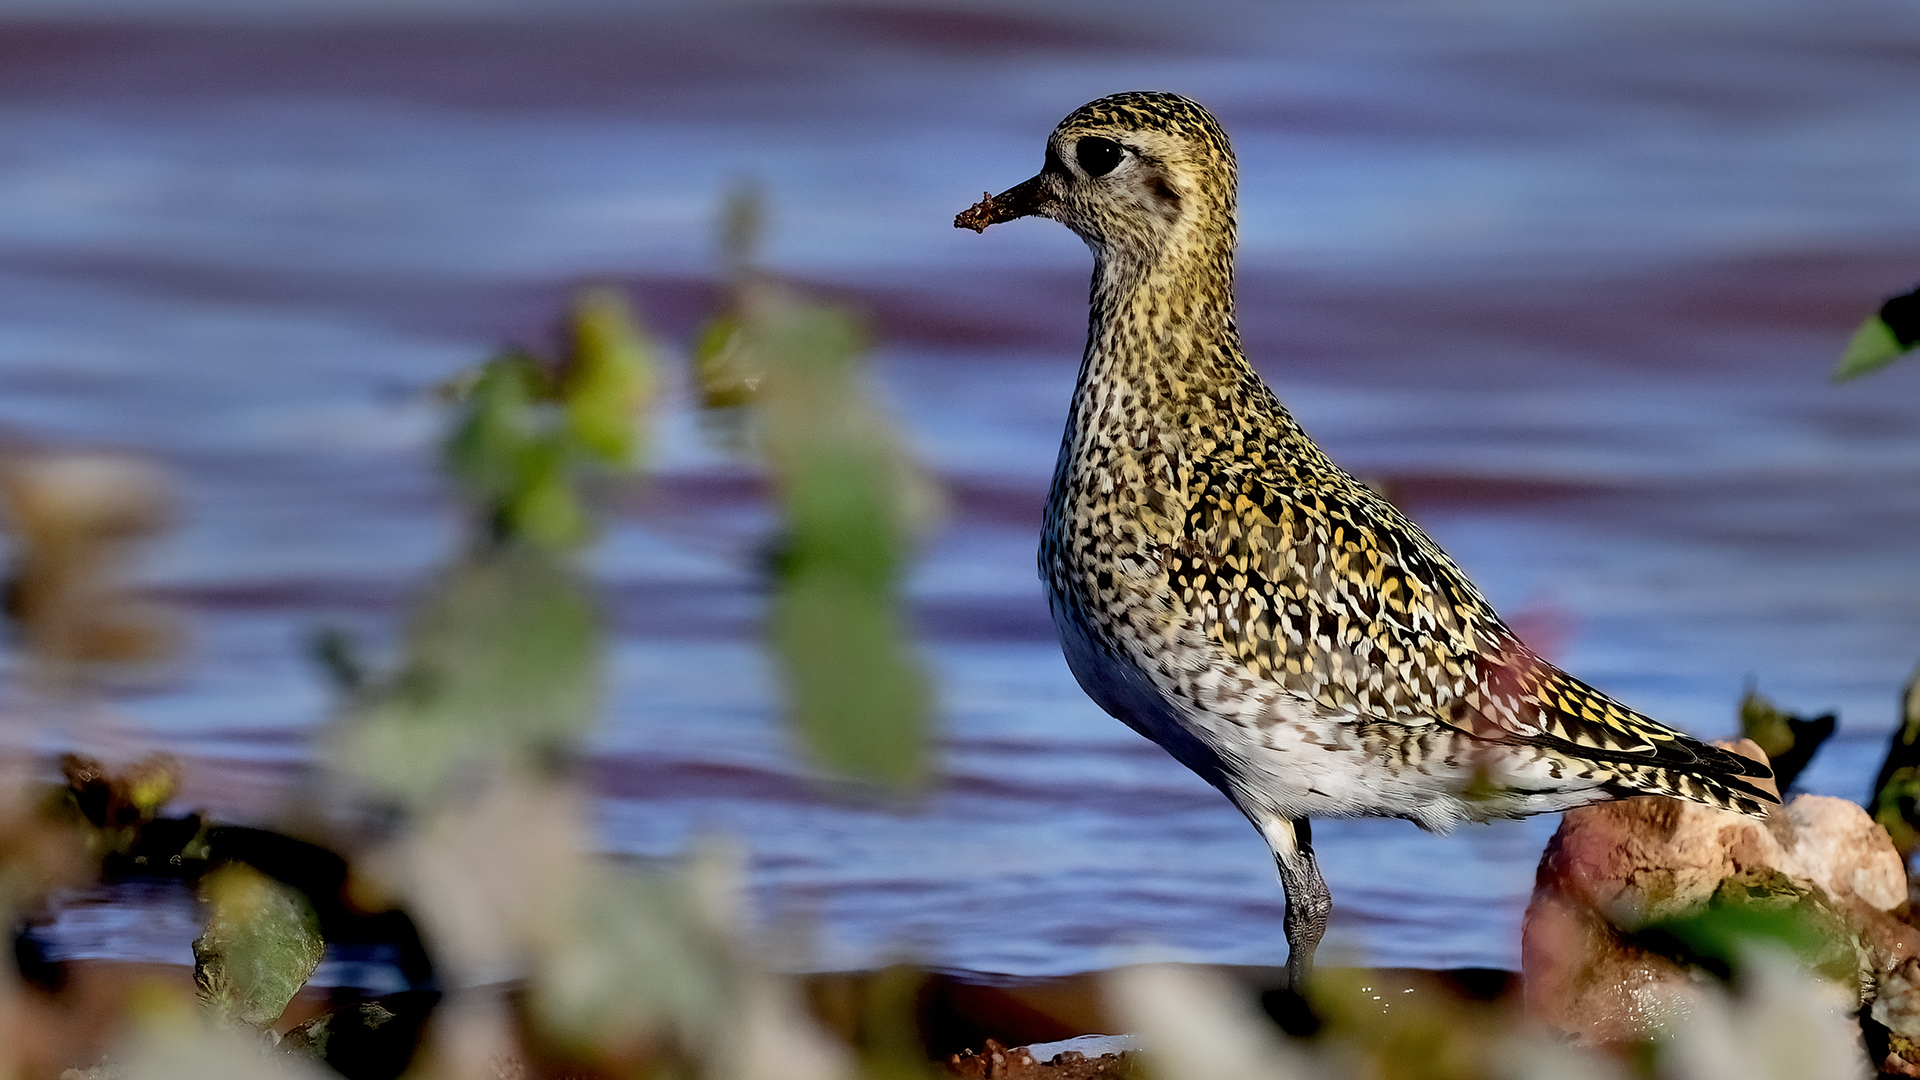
447, 828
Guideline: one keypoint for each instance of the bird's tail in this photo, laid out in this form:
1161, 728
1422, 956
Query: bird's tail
1717, 779
1634, 754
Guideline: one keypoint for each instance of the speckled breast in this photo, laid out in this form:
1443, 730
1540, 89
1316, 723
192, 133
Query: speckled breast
1113, 604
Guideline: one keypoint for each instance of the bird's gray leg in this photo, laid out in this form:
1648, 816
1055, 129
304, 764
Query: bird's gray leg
1308, 900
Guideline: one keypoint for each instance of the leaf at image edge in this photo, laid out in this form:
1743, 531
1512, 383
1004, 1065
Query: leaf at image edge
1873, 347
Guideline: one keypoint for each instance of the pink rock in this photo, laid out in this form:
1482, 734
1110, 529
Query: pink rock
1644, 860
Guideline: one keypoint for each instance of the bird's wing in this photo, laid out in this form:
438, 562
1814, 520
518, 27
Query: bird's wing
1317, 583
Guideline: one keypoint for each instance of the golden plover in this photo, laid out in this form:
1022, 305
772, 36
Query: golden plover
1224, 588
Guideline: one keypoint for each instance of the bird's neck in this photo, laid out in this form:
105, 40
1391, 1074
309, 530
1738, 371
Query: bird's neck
1161, 334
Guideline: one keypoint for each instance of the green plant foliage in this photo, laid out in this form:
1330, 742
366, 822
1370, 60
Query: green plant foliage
1871, 348
1759, 910
722, 371
726, 374
857, 694
509, 454
633, 963
337, 655
1788, 741
743, 223
1896, 806
889, 1037
502, 661
783, 372
261, 944
1895, 802
607, 381
1764, 724
527, 432
1886, 335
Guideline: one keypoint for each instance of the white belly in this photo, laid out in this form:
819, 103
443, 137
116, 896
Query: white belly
1274, 755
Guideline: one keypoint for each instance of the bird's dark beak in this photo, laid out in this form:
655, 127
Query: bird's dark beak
1023, 200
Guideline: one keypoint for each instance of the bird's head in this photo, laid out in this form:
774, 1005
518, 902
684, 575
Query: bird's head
1139, 176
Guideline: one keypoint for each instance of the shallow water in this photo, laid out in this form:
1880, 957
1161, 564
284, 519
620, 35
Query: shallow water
1568, 276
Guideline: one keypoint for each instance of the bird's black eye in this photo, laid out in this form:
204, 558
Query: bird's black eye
1096, 155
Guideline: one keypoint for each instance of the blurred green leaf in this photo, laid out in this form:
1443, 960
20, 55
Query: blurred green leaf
1788, 741
891, 1044
502, 660
722, 369
1895, 801
496, 425
511, 458
1779, 1024
634, 961
851, 498
717, 336
1760, 908
609, 379
544, 508
727, 376
1896, 806
338, 657
526, 436
1764, 724
1888, 334
261, 944
1873, 347
858, 696
743, 221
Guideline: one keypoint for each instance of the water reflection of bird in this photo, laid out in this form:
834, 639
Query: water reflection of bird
1228, 591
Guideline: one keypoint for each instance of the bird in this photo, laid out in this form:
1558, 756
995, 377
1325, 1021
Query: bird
1224, 588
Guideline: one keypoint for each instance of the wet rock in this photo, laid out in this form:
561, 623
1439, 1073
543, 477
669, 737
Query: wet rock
1896, 1011
1612, 947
